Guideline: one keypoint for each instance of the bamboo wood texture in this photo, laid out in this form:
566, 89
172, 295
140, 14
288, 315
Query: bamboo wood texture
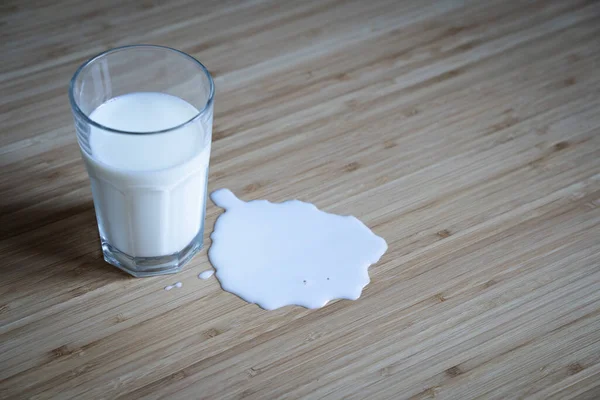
466, 133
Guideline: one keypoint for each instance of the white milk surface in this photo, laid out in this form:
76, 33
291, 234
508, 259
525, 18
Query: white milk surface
148, 189
291, 253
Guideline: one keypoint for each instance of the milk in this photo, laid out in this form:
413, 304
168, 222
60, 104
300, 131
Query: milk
291, 253
175, 285
206, 274
149, 190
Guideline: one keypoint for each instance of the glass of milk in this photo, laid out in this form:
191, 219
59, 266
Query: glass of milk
143, 116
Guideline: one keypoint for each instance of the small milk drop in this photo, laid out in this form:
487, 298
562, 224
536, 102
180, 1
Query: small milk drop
291, 253
206, 274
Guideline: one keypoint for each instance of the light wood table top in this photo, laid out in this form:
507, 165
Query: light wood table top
466, 133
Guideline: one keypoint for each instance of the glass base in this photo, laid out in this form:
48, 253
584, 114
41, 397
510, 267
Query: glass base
152, 266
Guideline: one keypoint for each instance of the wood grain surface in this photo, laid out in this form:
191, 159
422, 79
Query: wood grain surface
466, 133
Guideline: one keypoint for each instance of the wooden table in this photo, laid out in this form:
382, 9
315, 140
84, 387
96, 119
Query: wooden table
466, 133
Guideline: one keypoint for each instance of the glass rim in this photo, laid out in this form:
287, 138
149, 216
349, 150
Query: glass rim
77, 110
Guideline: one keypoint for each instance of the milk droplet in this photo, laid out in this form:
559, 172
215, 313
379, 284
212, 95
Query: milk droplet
175, 285
291, 253
206, 274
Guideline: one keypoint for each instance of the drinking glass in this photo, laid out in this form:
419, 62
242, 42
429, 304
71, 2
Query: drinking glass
143, 117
